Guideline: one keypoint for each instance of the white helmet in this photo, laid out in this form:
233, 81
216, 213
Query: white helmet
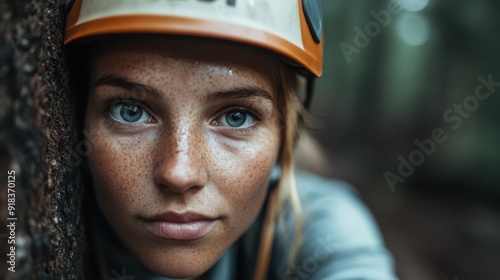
292, 29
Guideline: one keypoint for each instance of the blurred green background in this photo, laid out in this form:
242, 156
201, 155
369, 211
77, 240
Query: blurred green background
394, 72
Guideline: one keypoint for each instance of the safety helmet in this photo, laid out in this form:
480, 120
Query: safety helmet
291, 29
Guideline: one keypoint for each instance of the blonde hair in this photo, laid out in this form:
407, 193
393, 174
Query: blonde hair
293, 114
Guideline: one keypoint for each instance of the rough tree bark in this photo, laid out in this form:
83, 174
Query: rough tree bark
36, 139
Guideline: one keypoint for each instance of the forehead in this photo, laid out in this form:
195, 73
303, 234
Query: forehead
160, 55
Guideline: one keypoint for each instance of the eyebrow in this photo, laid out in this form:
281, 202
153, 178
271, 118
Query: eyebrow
124, 82
240, 93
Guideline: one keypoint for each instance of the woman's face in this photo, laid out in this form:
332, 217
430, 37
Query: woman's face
184, 135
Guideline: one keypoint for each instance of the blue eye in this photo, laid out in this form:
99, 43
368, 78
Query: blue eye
129, 113
237, 119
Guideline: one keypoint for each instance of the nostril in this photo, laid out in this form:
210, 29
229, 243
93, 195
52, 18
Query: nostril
179, 176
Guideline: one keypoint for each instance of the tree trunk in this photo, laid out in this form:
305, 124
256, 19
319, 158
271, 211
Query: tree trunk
37, 135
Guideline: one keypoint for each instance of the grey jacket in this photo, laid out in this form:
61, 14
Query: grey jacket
340, 242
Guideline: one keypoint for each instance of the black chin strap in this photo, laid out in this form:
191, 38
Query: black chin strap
310, 91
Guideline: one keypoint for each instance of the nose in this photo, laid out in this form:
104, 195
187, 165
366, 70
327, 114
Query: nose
181, 161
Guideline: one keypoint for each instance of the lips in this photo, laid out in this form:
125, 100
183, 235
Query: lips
180, 226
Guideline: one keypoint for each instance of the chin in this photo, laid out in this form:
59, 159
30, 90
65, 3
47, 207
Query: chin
183, 271
179, 262
178, 274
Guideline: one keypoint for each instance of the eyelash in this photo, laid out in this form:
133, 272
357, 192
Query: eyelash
246, 109
249, 110
108, 104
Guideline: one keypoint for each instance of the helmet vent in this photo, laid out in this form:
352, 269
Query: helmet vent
68, 4
314, 16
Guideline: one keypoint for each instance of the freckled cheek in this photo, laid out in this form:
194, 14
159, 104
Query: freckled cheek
120, 173
244, 171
